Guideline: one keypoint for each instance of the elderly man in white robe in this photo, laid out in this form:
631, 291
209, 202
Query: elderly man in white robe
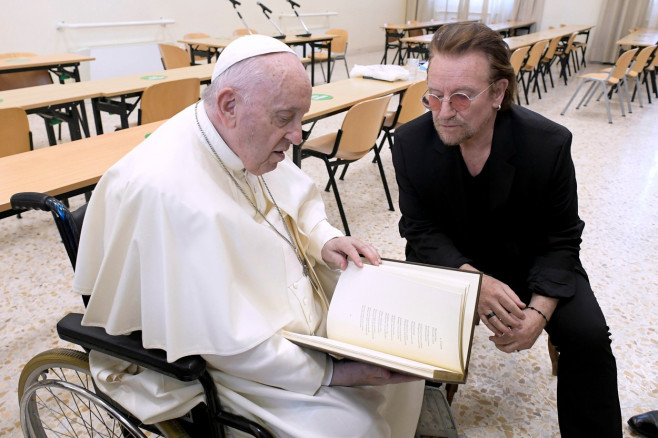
211, 241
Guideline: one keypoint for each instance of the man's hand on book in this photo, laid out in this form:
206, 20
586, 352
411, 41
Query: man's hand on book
349, 373
337, 251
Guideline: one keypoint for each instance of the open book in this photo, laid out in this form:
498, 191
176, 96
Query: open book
410, 318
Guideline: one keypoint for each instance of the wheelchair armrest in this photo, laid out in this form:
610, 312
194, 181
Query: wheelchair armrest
129, 347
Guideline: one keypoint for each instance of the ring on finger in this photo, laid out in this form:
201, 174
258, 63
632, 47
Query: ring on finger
490, 315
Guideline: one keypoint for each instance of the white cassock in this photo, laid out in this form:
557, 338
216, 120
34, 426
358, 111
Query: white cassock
170, 246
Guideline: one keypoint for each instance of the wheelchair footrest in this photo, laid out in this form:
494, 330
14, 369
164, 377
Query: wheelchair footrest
128, 347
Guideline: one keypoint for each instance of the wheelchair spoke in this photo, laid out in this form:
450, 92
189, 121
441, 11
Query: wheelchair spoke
85, 417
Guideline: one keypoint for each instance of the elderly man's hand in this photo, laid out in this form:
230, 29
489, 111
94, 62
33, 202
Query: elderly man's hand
337, 251
348, 373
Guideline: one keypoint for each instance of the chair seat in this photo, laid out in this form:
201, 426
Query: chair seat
599, 77
325, 145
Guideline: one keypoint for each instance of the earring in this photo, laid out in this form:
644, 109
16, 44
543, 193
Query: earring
498, 107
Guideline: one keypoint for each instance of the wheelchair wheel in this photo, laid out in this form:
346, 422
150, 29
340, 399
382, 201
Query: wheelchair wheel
57, 399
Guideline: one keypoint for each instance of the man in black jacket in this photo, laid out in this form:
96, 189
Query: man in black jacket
487, 185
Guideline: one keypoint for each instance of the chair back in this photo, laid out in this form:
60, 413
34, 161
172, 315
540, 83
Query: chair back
339, 42
535, 55
392, 35
552, 48
414, 32
569, 46
517, 57
173, 56
621, 66
14, 132
361, 127
201, 47
410, 104
165, 99
641, 61
244, 31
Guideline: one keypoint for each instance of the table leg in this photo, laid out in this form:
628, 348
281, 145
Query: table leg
97, 115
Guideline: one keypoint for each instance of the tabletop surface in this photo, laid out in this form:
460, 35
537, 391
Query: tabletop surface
79, 164
531, 38
221, 43
340, 95
53, 94
42, 60
419, 25
512, 24
641, 37
66, 167
427, 38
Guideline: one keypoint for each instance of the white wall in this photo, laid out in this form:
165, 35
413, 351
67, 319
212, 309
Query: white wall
30, 25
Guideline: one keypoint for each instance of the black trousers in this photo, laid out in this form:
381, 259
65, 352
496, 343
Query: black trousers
587, 396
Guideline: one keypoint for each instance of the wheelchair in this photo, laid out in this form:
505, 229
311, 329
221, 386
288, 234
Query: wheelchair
57, 394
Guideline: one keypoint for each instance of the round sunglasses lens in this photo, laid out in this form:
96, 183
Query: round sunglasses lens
431, 102
460, 101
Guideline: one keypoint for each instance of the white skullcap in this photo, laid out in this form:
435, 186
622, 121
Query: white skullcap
246, 47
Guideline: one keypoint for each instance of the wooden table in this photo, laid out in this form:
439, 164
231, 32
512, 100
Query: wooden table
532, 38
640, 38
509, 28
68, 169
499, 27
113, 94
315, 41
336, 97
428, 26
62, 65
110, 95
75, 167
59, 101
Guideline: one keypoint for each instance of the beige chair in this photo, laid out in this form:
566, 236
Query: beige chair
243, 31
650, 72
338, 51
549, 58
565, 52
409, 108
392, 42
582, 46
173, 56
517, 58
638, 69
414, 49
532, 69
14, 132
200, 52
356, 137
165, 99
638, 66
616, 78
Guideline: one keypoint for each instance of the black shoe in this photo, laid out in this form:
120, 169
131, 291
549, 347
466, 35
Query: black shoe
645, 424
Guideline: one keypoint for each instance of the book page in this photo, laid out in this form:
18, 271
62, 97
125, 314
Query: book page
342, 350
413, 316
471, 294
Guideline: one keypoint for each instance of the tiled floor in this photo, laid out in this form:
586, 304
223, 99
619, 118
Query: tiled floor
507, 395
